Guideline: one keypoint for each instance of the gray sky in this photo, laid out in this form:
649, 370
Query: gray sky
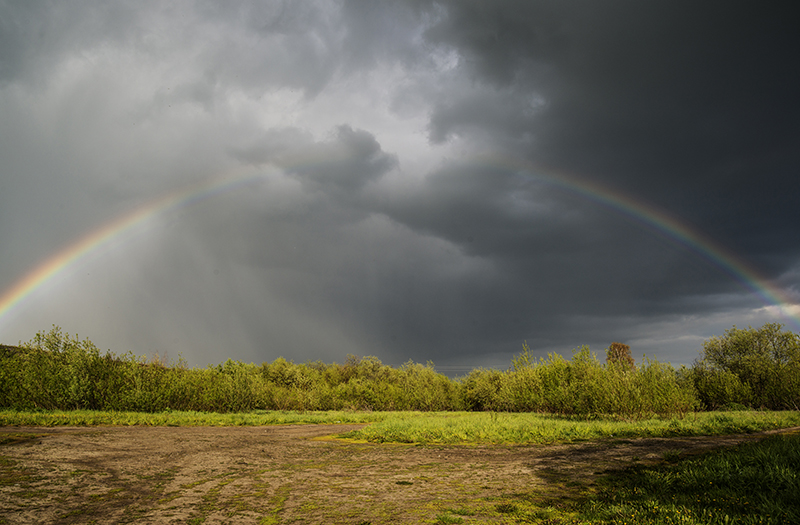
420, 180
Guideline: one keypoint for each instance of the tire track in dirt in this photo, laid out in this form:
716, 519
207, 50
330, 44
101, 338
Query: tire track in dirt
275, 474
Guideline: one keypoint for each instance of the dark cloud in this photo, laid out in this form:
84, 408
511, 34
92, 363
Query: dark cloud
412, 175
339, 167
352, 159
538, 241
686, 104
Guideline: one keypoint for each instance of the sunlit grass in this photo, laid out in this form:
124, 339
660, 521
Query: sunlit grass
434, 427
53, 418
528, 428
752, 484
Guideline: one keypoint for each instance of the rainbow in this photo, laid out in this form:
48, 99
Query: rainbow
670, 227
118, 228
646, 214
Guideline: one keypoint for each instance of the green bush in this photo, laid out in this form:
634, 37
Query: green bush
754, 367
55, 370
719, 388
582, 386
480, 390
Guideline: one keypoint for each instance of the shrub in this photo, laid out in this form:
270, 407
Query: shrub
56, 371
480, 390
582, 386
755, 367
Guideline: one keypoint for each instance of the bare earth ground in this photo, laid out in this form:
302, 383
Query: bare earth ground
290, 474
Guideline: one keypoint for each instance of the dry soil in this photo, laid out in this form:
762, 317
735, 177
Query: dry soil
291, 474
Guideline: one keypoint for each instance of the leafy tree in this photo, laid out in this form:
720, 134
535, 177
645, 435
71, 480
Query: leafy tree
620, 354
766, 362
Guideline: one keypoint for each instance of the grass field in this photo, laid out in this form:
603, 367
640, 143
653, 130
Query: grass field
753, 483
438, 427
527, 428
52, 418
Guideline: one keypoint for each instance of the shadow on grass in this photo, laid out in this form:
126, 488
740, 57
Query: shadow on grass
753, 483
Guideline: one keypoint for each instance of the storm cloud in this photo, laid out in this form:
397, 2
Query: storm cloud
425, 180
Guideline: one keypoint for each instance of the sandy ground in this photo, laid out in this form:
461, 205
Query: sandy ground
289, 474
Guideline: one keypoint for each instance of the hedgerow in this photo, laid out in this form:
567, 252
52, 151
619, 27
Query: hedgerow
745, 368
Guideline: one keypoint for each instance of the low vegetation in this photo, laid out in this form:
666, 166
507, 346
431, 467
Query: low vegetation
752, 368
174, 418
745, 381
529, 428
754, 483
439, 428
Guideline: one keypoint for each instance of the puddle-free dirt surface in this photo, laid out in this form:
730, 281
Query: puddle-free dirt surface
289, 474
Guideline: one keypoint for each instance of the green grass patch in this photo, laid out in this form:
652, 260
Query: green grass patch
436, 427
529, 428
754, 483
447, 519
53, 418
461, 511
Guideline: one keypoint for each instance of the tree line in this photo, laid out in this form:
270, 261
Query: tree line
745, 368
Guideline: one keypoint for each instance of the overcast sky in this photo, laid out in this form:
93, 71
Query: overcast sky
422, 180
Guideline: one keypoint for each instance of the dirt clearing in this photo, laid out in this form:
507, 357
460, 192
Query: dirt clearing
290, 474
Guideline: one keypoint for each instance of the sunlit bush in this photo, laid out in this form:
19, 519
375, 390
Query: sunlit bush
581, 386
754, 367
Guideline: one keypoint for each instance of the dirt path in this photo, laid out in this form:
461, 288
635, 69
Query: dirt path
288, 474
